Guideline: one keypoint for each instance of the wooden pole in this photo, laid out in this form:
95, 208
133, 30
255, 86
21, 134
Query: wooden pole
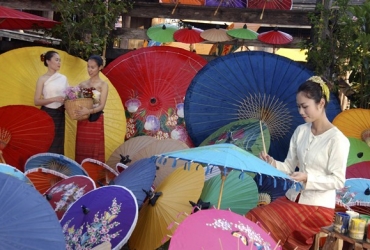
263, 138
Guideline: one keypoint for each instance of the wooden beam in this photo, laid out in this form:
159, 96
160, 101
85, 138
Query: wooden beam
40, 5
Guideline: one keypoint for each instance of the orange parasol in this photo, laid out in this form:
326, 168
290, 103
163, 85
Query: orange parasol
164, 206
43, 178
100, 172
24, 131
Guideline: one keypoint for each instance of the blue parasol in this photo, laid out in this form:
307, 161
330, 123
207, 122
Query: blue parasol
57, 162
27, 221
12, 171
250, 84
138, 177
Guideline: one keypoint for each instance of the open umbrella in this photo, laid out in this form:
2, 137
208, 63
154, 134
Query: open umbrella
358, 170
12, 19
220, 229
275, 37
24, 131
170, 199
162, 32
43, 178
12, 171
216, 35
270, 4
56, 162
358, 151
249, 84
138, 177
243, 33
269, 189
226, 4
354, 123
65, 192
24, 68
188, 35
239, 194
105, 214
26, 219
357, 192
100, 172
227, 157
245, 134
153, 90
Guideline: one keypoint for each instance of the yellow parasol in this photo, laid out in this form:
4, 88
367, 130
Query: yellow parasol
21, 69
297, 55
354, 123
170, 200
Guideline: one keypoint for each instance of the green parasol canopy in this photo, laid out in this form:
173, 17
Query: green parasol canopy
243, 33
162, 33
359, 151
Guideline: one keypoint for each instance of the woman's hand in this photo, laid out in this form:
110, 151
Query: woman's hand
82, 111
265, 157
299, 176
60, 99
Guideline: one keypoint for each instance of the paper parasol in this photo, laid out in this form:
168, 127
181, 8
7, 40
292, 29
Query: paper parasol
42, 178
162, 33
100, 172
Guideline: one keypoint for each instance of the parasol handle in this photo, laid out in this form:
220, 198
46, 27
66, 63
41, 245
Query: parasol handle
218, 7
263, 138
277, 245
263, 10
173, 11
2, 160
223, 178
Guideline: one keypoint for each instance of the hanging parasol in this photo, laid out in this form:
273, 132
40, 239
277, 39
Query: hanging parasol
26, 219
354, 123
22, 71
244, 85
270, 4
358, 151
24, 131
216, 35
12, 171
245, 134
243, 33
189, 35
42, 178
56, 162
220, 229
358, 170
239, 194
275, 37
170, 199
226, 4
138, 177
12, 19
162, 32
153, 90
106, 214
100, 172
65, 192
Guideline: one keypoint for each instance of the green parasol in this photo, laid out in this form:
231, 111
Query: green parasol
359, 151
243, 33
239, 194
245, 134
162, 33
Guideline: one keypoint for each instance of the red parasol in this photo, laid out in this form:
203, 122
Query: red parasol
270, 4
24, 131
275, 37
188, 35
15, 20
358, 170
43, 178
100, 172
152, 84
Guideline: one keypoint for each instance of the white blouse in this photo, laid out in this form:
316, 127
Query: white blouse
323, 157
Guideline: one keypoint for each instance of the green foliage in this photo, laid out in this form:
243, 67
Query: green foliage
339, 47
86, 25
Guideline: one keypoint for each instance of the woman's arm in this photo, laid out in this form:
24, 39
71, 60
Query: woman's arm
103, 99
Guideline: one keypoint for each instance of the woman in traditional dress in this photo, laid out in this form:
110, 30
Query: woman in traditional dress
90, 132
320, 151
49, 94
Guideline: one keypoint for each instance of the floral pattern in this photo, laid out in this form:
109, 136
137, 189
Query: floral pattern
71, 193
89, 235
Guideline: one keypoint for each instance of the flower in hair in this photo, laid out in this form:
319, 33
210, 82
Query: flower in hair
324, 87
42, 57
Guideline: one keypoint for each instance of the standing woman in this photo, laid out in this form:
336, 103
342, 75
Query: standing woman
320, 151
90, 133
49, 94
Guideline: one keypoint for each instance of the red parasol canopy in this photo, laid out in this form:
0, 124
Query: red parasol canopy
270, 4
24, 131
275, 37
188, 35
152, 84
14, 20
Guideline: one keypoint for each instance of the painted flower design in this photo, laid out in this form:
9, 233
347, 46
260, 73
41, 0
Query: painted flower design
152, 123
132, 105
180, 110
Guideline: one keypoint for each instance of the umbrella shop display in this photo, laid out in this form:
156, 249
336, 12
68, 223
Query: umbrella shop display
164, 206
220, 229
354, 123
216, 35
245, 134
43, 178
162, 32
275, 37
12, 19
243, 33
189, 35
137, 177
244, 85
153, 90
24, 131
100, 172
270, 4
227, 157
269, 188
26, 219
359, 151
358, 170
23, 69
239, 194
124, 152
56, 162
106, 214
65, 192
12, 171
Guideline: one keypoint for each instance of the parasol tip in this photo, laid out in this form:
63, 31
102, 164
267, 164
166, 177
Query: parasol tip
163, 27
85, 210
48, 197
245, 26
125, 159
367, 191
